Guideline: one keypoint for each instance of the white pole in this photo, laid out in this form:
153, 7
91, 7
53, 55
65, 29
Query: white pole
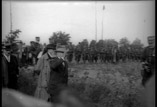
10, 17
95, 22
102, 20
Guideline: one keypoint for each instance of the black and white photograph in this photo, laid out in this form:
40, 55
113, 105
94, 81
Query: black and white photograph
78, 53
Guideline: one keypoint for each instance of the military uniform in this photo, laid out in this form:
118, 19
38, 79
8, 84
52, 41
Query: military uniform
78, 54
95, 56
85, 56
70, 55
102, 55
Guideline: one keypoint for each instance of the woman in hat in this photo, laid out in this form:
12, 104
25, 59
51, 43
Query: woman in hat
43, 69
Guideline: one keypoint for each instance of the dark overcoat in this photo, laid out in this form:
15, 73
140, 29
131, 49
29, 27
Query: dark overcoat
4, 72
10, 71
58, 75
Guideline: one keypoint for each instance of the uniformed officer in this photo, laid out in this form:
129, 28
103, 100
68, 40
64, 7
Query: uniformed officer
78, 53
70, 53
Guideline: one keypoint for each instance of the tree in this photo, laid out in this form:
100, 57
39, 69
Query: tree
60, 37
84, 44
124, 42
100, 45
12, 36
137, 44
112, 43
92, 44
11, 39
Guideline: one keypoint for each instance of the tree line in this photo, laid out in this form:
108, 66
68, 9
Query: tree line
64, 39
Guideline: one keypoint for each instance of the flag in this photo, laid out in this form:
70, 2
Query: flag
103, 7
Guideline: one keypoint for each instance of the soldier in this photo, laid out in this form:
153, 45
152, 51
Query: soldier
104, 55
114, 55
92, 55
109, 54
101, 55
148, 60
117, 55
130, 54
70, 53
78, 53
95, 55
85, 55
24, 56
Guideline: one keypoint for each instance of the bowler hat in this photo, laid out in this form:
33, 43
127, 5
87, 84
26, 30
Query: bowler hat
51, 46
7, 47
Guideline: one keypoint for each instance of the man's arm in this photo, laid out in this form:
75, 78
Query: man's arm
55, 62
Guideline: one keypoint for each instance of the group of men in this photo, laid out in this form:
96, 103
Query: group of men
88, 54
109, 54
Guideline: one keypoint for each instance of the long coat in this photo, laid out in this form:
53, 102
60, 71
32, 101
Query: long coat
9, 72
44, 68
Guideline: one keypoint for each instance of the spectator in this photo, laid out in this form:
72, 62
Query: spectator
10, 69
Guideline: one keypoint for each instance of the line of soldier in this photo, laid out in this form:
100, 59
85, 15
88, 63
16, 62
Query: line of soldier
109, 54
90, 55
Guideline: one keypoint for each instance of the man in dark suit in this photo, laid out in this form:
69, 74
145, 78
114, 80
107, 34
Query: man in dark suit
10, 69
58, 77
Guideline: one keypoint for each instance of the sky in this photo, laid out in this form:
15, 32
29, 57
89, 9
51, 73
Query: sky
131, 19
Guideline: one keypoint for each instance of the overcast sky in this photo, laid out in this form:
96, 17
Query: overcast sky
131, 19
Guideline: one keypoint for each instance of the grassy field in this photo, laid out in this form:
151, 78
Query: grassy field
101, 85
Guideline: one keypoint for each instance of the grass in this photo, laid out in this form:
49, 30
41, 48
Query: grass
108, 85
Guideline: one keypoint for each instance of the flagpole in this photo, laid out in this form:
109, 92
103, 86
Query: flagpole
10, 17
95, 22
102, 20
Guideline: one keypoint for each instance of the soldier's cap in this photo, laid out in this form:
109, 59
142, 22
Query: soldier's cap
51, 46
